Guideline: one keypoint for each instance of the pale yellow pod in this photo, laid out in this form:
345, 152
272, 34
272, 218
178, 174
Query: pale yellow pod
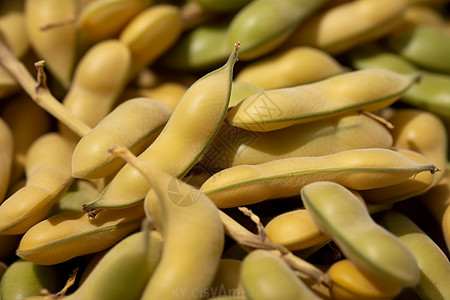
27, 122
226, 282
421, 131
419, 14
445, 223
56, 45
358, 169
290, 67
67, 235
103, 19
350, 24
48, 173
99, 79
181, 142
6, 157
151, 33
369, 89
241, 90
411, 187
234, 146
352, 283
135, 124
295, 230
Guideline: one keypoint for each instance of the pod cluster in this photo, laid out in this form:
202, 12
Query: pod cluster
210, 149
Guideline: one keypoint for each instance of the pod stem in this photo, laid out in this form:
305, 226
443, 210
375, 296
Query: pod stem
252, 241
38, 90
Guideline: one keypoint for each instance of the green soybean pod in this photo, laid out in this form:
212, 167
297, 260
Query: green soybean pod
340, 215
426, 46
264, 276
263, 25
433, 262
431, 94
199, 49
25, 279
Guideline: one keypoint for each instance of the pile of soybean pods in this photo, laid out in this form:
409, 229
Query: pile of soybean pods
210, 149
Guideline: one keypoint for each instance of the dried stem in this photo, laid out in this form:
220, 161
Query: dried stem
39, 92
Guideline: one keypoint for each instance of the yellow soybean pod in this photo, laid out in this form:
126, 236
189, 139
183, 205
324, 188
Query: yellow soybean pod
369, 89
340, 215
6, 157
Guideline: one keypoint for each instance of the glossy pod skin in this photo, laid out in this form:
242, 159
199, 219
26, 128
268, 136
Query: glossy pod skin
48, 171
57, 46
351, 283
290, 67
67, 235
368, 245
433, 262
358, 169
206, 101
26, 279
134, 124
234, 146
124, 270
426, 46
295, 230
376, 88
333, 31
265, 275
431, 94
99, 78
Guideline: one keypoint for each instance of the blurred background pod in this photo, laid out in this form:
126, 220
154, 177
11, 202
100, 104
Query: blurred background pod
223, 6
27, 122
334, 32
263, 25
14, 35
6, 157
104, 19
52, 34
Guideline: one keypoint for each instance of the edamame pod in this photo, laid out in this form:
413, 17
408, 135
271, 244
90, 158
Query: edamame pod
188, 220
26, 279
421, 131
265, 276
290, 67
151, 33
206, 102
424, 45
134, 124
333, 31
368, 90
99, 79
241, 90
431, 94
48, 171
417, 185
67, 235
433, 262
351, 283
124, 270
226, 282
295, 230
6, 157
57, 45
377, 252
263, 25
358, 169
202, 48
222, 6
103, 19
234, 146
